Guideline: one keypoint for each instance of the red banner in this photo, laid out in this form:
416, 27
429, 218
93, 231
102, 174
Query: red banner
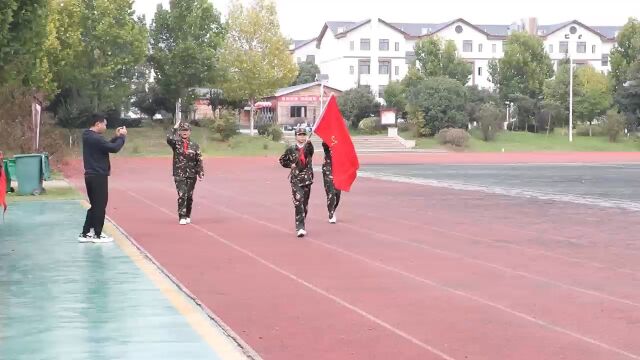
332, 129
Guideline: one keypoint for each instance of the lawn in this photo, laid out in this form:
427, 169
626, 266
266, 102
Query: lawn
524, 141
151, 141
55, 193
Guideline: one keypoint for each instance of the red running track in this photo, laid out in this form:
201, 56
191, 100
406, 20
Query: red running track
409, 272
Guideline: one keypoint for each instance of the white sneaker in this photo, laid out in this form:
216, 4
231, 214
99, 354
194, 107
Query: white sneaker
183, 221
333, 219
188, 220
85, 238
102, 239
301, 233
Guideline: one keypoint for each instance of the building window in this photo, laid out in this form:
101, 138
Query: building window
352, 69
467, 46
550, 48
311, 59
397, 70
381, 90
479, 47
504, 45
352, 46
494, 48
397, 46
364, 67
581, 47
298, 111
479, 71
365, 44
384, 67
605, 60
593, 49
564, 47
410, 57
384, 45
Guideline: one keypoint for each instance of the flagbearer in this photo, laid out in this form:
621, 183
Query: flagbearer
187, 165
298, 158
333, 194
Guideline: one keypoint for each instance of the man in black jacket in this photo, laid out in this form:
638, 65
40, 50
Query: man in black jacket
299, 158
97, 168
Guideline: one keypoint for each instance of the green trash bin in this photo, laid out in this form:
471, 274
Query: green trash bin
12, 169
29, 173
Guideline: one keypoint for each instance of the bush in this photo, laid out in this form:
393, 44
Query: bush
583, 130
454, 137
274, 132
226, 125
370, 125
491, 119
614, 125
262, 128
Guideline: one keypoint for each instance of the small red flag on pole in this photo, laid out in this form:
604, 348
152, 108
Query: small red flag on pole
332, 129
3, 185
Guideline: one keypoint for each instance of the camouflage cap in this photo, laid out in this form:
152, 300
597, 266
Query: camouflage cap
184, 126
301, 130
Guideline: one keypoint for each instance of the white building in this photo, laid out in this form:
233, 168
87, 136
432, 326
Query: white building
374, 52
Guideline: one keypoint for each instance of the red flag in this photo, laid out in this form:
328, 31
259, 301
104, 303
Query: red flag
332, 129
3, 186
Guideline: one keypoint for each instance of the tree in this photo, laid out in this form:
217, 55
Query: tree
255, 58
394, 96
307, 72
150, 101
437, 59
593, 96
441, 101
625, 52
185, 40
613, 125
524, 67
557, 89
627, 95
357, 104
23, 33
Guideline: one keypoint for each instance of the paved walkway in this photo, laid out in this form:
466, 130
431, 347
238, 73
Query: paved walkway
60, 299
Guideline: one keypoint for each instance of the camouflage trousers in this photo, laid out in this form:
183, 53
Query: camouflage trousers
333, 194
185, 187
301, 194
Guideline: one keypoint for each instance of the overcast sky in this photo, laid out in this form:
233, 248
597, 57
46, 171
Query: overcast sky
303, 19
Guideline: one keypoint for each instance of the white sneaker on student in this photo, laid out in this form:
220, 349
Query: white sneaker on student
183, 221
188, 220
301, 233
102, 239
85, 238
333, 219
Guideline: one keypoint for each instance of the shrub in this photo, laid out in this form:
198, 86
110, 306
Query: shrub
583, 130
453, 137
226, 125
370, 125
614, 125
490, 118
274, 132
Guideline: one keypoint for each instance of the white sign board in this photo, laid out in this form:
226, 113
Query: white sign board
387, 117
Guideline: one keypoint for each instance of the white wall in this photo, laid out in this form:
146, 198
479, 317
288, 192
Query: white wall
581, 35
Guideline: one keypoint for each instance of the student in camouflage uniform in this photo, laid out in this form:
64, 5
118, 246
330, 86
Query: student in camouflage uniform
187, 165
333, 194
298, 158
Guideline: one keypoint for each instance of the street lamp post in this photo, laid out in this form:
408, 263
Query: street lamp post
570, 100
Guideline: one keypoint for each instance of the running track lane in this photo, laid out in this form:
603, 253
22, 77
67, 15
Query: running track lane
368, 293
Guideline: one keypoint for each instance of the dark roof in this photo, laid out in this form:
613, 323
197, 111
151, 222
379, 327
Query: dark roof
415, 29
607, 32
300, 43
346, 25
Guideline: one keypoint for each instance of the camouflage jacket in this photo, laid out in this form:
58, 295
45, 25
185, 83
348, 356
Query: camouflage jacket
185, 164
300, 174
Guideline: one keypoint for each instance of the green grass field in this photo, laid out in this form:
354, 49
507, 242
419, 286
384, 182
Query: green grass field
151, 141
57, 193
524, 141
